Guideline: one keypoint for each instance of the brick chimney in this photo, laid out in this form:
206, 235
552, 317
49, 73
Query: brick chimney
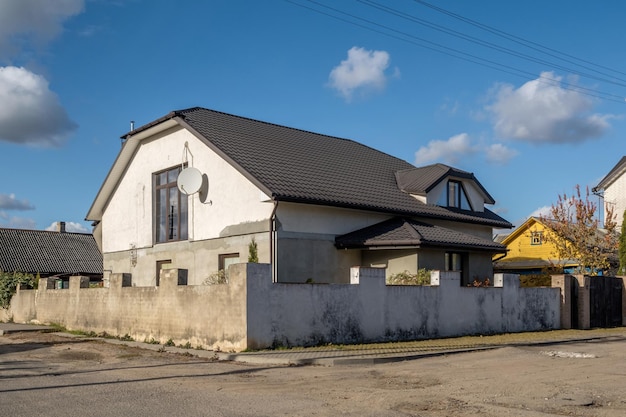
61, 227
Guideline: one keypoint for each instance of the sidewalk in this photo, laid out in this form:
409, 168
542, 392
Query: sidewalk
373, 353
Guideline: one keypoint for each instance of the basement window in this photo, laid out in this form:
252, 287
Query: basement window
160, 265
226, 260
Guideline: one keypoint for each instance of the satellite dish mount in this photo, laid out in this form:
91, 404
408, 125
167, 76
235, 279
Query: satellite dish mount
190, 180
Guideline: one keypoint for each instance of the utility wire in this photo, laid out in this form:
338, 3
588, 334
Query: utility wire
455, 52
521, 41
614, 80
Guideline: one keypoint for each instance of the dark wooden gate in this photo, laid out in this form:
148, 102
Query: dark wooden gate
605, 301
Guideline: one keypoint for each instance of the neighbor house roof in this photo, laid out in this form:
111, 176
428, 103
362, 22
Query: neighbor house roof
295, 165
408, 232
531, 263
49, 253
613, 175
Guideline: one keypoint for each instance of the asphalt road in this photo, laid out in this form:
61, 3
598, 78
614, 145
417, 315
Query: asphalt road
49, 375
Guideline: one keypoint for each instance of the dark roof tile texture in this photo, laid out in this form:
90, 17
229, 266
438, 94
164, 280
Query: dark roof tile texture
408, 232
49, 253
300, 166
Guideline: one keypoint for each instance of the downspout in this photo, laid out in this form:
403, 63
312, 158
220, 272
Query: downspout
273, 240
600, 194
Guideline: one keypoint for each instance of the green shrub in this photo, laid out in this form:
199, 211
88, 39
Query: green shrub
422, 277
253, 252
535, 280
9, 283
218, 277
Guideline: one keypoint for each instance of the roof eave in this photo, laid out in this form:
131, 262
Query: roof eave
126, 154
399, 244
613, 174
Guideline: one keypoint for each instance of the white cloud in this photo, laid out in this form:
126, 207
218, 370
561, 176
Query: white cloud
447, 151
38, 20
363, 71
499, 154
9, 202
71, 227
542, 111
17, 222
29, 112
544, 211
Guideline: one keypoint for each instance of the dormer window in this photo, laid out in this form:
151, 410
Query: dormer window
457, 197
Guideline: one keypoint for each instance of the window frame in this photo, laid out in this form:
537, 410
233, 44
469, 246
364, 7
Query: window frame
536, 238
458, 195
172, 232
221, 261
160, 265
463, 260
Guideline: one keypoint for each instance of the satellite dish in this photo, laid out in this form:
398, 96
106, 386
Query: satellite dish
189, 181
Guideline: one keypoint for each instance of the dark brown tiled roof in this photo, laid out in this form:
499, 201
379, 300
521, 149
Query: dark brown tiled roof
300, 166
407, 232
49, 253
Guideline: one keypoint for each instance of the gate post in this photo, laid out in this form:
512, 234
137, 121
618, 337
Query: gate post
584, 306
564, 283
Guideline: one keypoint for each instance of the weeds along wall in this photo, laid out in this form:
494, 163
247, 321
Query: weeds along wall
251, 312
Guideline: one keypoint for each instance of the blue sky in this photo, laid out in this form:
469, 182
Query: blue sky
469, 84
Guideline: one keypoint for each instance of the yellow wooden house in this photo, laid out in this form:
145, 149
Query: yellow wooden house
528, 252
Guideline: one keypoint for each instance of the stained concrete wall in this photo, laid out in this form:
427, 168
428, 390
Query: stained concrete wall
200, 258
368, 310
211, 316
252, 312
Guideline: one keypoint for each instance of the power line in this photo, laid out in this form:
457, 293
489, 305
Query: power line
406, 37
614, 80
519, 40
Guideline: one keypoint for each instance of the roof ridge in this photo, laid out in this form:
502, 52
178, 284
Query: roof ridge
197, 108
46, 231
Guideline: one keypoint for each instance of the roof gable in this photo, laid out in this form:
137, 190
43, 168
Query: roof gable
38, 251
530, 222
421, 180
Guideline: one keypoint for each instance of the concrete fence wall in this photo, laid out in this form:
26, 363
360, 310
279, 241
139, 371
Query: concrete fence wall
251, 312
368, 310
208, 316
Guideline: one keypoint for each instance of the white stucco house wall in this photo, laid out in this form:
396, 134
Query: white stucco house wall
612, 188
315, 205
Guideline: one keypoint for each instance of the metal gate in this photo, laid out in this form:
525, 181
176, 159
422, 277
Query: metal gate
605, 301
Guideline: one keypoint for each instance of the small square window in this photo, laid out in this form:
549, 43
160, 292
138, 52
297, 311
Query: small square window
536, 238
226, 260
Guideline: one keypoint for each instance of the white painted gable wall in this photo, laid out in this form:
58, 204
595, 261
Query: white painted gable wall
128, 216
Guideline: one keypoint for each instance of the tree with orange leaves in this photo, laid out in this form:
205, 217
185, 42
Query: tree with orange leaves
578, 235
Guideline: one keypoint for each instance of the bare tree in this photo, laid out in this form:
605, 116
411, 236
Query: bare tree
578, 236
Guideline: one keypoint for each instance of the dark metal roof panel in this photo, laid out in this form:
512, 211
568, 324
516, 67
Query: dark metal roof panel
409, 232
301, 166
38, 251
